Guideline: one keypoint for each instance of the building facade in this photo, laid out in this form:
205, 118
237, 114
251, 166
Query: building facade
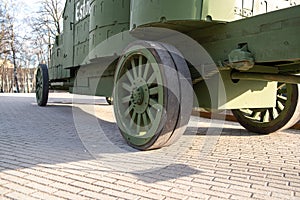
26, 78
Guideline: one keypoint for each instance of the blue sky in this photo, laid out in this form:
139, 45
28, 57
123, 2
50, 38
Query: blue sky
27, 8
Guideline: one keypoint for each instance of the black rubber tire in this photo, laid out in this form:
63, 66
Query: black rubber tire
42, 85
177, 86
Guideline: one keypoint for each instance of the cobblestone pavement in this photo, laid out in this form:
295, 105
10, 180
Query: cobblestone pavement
55, 153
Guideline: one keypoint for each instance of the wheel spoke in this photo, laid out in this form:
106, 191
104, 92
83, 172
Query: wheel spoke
140, 66
280, 105
281, 86
153, 91
275, 113
145, 120
132, 120
266, 116
150, 115
247, 112
154, 104
134, 68
151, 79
39, 81
282, 99
40, 93
126, 99
271, 112
127, 112
130, 78
262, 116
147, 67
138, 124
127, 87
255, 114
282, 91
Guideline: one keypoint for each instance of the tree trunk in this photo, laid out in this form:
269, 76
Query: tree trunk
15, 72
12, 45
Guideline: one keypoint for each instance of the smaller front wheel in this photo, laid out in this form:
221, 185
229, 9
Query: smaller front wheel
42, 85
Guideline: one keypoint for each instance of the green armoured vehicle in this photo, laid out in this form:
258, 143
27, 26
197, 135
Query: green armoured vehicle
159, 58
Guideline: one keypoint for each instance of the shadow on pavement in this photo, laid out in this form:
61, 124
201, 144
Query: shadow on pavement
33, 136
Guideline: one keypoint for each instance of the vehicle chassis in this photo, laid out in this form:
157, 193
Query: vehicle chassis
158, 67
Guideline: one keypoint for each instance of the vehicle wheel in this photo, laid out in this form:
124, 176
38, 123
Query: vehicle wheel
268, 120
109, 100
150, 83
42, 85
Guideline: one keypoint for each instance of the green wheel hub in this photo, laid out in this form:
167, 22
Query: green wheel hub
146, 95
267, 120
140, 96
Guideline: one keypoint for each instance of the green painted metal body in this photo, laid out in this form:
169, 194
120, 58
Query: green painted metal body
95, 33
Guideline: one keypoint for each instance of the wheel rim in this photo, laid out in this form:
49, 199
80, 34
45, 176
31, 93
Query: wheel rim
139, 97
268, 117
39, 86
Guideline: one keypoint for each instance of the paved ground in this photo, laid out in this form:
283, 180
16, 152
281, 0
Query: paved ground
65, 152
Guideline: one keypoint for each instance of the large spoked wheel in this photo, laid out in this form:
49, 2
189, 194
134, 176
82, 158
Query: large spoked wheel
153, 95
268, 120
42, 85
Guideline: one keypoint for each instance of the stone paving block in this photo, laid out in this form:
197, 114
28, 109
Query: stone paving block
213, 193
195, 184
18, 195
188, 193
107, 179
143, 194
215, 198
233, 182
2, 181
16, 173
169, 194
38, 179
19, 188
48, 170
3, 190
41, 187
141, 187
66, 187
111, 186
174, 185
97, 195
46, 196
48, 161
201, 196
86, 186
124, 195
271, 189
242, 194
259, 196
69, 195
61, 179
75, 177
282, 196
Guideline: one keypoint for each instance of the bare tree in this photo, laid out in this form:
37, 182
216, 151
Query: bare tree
12, 40
46, 26
3, 32
7, 41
